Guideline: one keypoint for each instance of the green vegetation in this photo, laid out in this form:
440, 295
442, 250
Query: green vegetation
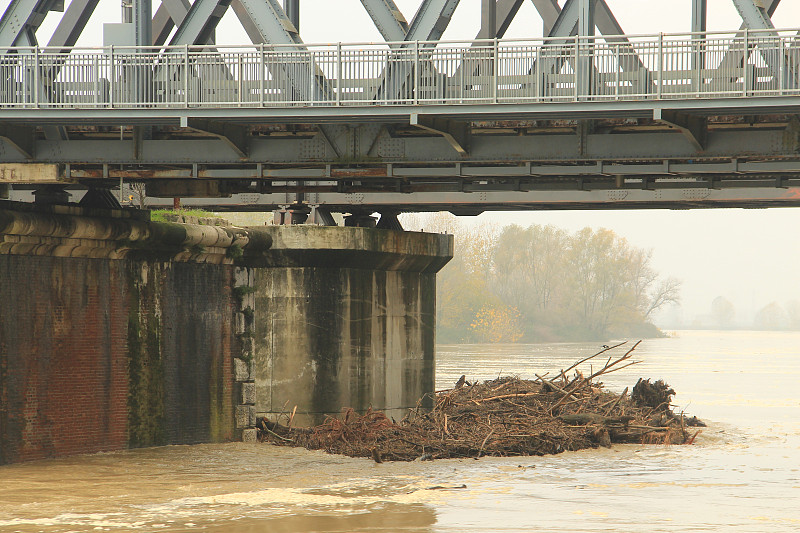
163, 215
240, 291
146, 420
235, 252
542, 284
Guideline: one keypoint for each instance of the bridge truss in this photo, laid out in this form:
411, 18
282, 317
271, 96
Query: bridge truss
573, 120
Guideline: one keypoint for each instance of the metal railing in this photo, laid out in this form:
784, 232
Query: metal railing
644, 67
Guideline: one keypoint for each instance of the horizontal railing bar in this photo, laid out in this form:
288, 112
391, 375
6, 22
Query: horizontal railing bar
489, 71
383, 44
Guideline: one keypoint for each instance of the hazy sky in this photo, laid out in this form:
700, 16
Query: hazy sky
751, 257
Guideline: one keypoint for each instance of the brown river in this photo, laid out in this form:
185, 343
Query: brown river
741, 474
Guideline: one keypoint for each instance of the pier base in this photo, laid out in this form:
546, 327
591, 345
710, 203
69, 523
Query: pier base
344, 317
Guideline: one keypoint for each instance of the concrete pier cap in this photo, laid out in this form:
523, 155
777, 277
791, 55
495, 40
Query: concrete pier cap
345, 318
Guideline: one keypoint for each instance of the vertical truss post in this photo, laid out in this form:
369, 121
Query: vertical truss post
586, 18
585, 56
292, 8
699, 18
488, 19
143, 22
699, 15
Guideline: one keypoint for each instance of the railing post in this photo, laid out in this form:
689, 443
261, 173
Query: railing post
576, 67
782, 67
416, 72
539, 77
111, 76
186, 75
745, 57
262, 74
96, 81
617, 72
36, 76
339, 73
240, 85
660, 65
496, 70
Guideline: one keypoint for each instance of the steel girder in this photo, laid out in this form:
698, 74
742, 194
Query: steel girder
200, 22
476, 202
432, 18
488, 19
22, 18
170, 13
72, 23
388, 19
506, 152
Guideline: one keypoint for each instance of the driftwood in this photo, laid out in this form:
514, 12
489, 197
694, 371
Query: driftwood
507, 416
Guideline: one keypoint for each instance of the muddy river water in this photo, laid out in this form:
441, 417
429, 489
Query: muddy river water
742, 473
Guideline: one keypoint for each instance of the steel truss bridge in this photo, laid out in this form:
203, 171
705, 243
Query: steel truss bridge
573, 120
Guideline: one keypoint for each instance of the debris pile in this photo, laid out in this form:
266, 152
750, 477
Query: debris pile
507, 416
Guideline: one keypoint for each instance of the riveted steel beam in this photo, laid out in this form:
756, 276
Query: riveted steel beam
754, 14
200, 22
266, 22
22, 18
72, 23
388, 19
168, 15
431, 20
466, 202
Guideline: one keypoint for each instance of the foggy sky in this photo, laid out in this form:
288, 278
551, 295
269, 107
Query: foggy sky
749, 256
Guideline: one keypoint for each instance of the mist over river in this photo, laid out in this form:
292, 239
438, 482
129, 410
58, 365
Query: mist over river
742, 473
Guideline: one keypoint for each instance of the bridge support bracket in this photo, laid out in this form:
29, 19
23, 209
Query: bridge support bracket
693, 127
456, 133
22, 138
233, 135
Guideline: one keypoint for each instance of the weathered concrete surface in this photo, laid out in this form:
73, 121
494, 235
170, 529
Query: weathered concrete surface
344, 317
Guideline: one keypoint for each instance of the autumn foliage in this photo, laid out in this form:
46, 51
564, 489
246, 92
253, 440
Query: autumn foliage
541, 283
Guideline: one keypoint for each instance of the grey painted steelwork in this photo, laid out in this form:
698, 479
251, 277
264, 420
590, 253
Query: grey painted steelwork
431, 20
387, 18
200, 22
349, 75
412, 122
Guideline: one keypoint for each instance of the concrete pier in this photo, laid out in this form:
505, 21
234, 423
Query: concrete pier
118, 332
344, 317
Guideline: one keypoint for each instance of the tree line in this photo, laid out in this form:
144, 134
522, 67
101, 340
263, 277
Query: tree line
771, 317
543, 284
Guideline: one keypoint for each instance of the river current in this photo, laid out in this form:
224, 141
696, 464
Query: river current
741, 474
